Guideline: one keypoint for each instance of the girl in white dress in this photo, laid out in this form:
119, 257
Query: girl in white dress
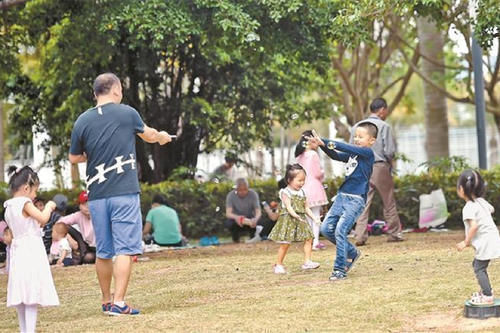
480, 232
30, 280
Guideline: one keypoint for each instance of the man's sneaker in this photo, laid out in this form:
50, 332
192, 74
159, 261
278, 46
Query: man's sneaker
116, 310
310, 265
395, 238
106, 307
255, 239
279, 269
337, 276
350, 265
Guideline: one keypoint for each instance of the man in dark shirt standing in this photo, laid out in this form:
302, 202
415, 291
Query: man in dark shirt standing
381, 178
104, 137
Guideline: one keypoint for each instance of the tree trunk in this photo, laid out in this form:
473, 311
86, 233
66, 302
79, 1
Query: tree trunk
75, 176
436, 113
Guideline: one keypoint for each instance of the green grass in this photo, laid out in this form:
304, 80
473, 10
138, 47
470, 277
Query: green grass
417, 285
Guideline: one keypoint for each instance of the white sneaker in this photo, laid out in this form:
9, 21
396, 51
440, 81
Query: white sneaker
255, 239
279, 269
310, 265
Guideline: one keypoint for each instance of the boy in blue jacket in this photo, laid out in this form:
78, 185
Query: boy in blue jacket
351, 196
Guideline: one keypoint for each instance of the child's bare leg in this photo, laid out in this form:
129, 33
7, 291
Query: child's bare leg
307, 250
282, 252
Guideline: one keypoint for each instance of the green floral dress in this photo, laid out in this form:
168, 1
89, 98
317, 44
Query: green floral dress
289, 229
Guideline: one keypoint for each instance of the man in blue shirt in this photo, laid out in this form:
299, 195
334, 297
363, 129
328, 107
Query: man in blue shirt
351, 196
104, 137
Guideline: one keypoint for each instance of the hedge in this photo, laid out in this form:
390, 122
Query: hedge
201, 207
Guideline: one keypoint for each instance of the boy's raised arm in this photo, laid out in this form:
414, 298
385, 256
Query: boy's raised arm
352, 149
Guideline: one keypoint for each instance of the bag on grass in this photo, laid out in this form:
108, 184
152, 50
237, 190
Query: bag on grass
433, 209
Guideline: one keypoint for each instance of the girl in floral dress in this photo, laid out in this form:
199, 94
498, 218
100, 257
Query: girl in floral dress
292, 225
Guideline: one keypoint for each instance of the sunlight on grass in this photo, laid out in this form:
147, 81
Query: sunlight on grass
417, 285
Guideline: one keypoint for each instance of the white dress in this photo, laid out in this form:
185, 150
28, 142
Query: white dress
30, 280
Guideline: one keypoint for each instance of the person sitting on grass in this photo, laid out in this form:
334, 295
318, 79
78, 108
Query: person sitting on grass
480, 232
7, 240
60, 251
351, 197
84, 236
242, 210
162, 224
61, 202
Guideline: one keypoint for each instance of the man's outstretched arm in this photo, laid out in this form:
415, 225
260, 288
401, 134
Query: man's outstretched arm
151, 135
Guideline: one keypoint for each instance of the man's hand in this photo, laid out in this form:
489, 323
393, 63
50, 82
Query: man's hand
164, 138
240, 220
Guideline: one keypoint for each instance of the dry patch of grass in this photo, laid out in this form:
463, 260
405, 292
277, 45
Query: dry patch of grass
418, 285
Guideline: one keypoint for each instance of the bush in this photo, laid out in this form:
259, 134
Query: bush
201, 207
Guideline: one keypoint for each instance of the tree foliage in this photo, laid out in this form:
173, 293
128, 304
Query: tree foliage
218, 73
212, 72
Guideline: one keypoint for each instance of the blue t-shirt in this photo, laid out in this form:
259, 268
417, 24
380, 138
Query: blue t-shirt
359, 165
107, 135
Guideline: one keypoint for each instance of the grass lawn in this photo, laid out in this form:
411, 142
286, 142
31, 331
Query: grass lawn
415, 286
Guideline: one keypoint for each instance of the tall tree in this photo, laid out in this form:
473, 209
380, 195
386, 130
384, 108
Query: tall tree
453, 19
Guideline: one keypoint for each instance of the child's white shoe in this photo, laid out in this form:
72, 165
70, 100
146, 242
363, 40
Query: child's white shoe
279, 269
310, 265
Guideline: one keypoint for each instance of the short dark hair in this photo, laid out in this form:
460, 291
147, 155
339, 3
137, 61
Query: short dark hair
104, 82
371, 128
472, 183
160, 199
22, 176
377, 104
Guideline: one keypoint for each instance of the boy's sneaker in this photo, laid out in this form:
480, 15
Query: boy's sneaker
337, 276
116, 310
106, 307
279, 269
310, 265
350, 265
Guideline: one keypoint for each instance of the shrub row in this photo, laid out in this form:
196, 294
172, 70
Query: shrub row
201, 207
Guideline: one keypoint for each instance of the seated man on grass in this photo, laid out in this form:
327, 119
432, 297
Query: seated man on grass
242, 210
162, 224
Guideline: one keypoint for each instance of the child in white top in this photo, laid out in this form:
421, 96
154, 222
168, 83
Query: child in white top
30, 280
292, 225
60, 251
480, 232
